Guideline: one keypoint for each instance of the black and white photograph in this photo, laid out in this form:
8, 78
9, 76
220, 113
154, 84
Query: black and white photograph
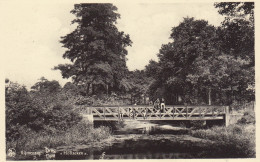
128, 80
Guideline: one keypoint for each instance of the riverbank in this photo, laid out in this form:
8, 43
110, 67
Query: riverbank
35, 142
237, 140
144, 140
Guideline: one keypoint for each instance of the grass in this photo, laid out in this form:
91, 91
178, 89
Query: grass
234, 141
82, 133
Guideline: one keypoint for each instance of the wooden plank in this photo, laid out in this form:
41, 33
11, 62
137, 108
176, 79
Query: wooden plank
155, 118
186, 111
180, 112
110, 112
149, 114
97, 113
139, 112
193, 111
154, 113
168, 112
204, 111
123, 110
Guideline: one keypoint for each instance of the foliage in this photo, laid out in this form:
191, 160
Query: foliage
61, 117
20, 110
207, 64
237, 38
43, 109
248, 118
194, 42
45, 85
81, 133
96, 49
152, 69
236, 9
198, 124
235, 139
137, 83
44, 117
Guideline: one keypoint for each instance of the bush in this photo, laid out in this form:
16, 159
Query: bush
61, 117
37, 110
198, 124
81, 133
248, 118
20, 111
236, 140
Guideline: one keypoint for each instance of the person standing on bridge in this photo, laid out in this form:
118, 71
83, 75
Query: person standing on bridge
162, 105
157, 104
133, 113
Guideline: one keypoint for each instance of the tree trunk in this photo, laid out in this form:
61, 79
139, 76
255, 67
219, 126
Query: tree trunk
197, 95
107, 88
209, 96
88, 88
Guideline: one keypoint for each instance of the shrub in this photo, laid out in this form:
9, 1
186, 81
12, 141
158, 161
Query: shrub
20, 111
197, 124
61, 117
81, 133
37, 111
236, 140
248, 118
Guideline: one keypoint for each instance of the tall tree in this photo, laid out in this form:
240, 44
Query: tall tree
96, 48
237, 30
237, 36
236, 9
194, 40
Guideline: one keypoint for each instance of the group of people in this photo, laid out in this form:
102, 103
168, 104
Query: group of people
159, 104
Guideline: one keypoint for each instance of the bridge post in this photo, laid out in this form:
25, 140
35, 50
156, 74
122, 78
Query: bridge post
227, 116
186, 111
88, 116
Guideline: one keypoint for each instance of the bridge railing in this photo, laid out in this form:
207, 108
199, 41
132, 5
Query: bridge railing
171, 112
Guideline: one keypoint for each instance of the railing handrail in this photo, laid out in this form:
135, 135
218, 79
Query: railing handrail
153, 106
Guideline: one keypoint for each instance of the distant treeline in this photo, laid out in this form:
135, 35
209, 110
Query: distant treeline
203, 64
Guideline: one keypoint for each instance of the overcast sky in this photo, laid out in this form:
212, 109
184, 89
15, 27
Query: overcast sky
32, 32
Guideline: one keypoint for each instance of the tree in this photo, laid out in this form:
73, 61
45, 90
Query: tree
237, 39
203, 66
45, 85
140, 84
236, 9
20, 111
71, 89
152, 69
96, 49
193, 40
237, 30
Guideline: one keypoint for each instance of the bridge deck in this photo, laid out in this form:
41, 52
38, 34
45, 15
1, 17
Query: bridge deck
146, 112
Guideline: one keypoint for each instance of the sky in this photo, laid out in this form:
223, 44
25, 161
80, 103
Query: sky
32, 32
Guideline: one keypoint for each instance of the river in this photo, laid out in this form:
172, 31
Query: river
143, 140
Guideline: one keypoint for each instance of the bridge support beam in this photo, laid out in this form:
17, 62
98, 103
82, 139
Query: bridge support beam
227, 116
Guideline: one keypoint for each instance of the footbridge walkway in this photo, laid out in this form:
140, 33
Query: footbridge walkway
145, 112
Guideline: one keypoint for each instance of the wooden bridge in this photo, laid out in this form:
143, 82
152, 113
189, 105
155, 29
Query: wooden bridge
171, 112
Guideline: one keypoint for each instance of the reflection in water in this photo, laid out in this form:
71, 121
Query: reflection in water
152, 130
152, 149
